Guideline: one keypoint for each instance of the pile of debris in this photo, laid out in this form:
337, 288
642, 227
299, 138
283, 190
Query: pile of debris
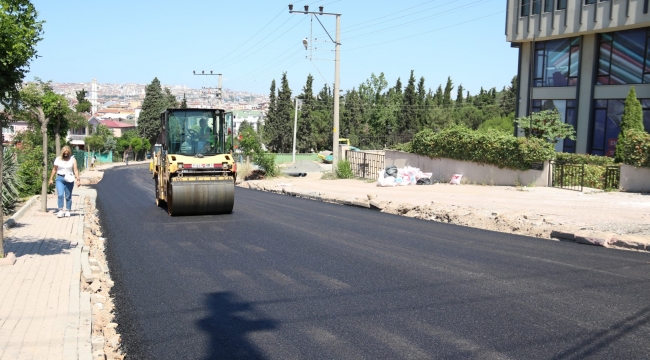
96, 280
392, 176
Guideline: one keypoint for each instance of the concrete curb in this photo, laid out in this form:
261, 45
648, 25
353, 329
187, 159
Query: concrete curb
602, 239
581, 237
11, 222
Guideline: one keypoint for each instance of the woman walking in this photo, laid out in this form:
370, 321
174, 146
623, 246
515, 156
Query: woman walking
65, 169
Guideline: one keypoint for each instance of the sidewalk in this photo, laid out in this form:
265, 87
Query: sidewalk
43, 313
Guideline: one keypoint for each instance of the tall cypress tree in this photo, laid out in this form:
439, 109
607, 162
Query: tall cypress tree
284, 117
303, 137
446, 99
269, 122
459, 96
421, 108
153, 104
408, 116
438, 96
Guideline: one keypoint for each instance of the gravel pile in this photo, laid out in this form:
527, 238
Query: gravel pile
303, 167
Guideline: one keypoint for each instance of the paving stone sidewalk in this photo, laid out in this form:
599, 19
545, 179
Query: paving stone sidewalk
43, 313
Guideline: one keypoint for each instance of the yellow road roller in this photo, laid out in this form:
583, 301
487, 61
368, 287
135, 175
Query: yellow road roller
195, 172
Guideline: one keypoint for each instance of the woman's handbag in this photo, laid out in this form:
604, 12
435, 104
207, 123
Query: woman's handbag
68, 178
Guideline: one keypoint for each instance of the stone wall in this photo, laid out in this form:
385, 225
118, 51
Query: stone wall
634, 179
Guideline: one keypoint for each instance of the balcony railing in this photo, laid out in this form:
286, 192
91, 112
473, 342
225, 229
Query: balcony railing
77, 137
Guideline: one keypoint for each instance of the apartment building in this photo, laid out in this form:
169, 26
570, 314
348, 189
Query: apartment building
581, 57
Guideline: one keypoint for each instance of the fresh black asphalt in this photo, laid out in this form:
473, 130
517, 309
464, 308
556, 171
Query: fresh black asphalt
287, 278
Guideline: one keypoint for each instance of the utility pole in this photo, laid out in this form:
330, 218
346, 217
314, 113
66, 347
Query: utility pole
218, 93
337, 63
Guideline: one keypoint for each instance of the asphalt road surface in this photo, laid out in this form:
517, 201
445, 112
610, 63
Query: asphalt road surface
287, 278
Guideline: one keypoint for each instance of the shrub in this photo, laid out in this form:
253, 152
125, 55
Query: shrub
546, 125
405, 147
503, 124
586, 159
634, 148
267, 162
490, 147
344, 170
10, 182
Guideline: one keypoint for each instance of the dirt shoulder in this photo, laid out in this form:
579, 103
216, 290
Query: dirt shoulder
533, 211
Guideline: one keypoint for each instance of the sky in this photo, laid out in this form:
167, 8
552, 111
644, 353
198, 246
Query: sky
253, 42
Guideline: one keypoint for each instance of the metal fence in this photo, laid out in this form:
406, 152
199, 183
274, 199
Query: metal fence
568, 176
375, 142
365, 165
612, 177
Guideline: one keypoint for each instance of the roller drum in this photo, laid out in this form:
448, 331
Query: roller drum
200, 197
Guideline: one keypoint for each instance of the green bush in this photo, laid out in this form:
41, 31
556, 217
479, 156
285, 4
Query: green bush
587, 159
504, 124
634, 148
267, 162
344, 170
490, 147
405, 147
10, 182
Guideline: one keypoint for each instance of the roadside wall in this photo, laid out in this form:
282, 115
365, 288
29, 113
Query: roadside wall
634, 179
473, 173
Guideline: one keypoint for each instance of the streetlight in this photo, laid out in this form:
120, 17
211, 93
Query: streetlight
337, 63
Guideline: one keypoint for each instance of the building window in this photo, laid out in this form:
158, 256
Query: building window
525, 7
624, 57
537, 7
556, 62
607, 124
548, 6
587, 2
8, 130
561, 4
568, 114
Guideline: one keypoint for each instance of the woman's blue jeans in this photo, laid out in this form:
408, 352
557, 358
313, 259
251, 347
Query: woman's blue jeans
64, 188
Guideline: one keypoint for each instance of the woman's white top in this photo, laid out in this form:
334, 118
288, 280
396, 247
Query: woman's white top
64, 167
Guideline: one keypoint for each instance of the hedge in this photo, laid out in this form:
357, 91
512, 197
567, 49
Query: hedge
491, 147
586, 159
634, 148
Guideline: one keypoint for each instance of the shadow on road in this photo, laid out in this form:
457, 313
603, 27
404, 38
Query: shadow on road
228, 324
602, 339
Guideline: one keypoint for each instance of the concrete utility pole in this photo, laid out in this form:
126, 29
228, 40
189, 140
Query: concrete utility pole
337, 63
218, 93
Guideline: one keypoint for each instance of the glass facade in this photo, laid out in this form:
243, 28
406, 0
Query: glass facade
561, 4
607, 124
525, 7
567, 110
624, 57
556, 62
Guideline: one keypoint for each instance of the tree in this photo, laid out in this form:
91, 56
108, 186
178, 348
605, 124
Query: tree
459, 96
269, 123
184, 102
632, 120
170, 99
83, 105
438, 97
244, 126
32, 98
304, 131
407, 120
446, 97
19, 34
56, 109
154, 103
279, 124
546, 125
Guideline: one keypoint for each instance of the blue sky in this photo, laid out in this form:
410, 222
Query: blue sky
253, 42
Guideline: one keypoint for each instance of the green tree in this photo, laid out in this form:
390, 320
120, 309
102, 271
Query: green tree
305, 120
269, 123
170, 99
407, 120
508, 100
632, 120
56, 109
244, 126
154, 103
546, 125
459, 96
83, 105
504, 124
282, 119
438, 97
446, 97
184, 102
20, 31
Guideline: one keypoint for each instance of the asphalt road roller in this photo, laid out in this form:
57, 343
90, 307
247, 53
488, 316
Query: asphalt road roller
194, 170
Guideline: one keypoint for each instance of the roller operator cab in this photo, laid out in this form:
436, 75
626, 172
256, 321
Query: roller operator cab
195, 172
